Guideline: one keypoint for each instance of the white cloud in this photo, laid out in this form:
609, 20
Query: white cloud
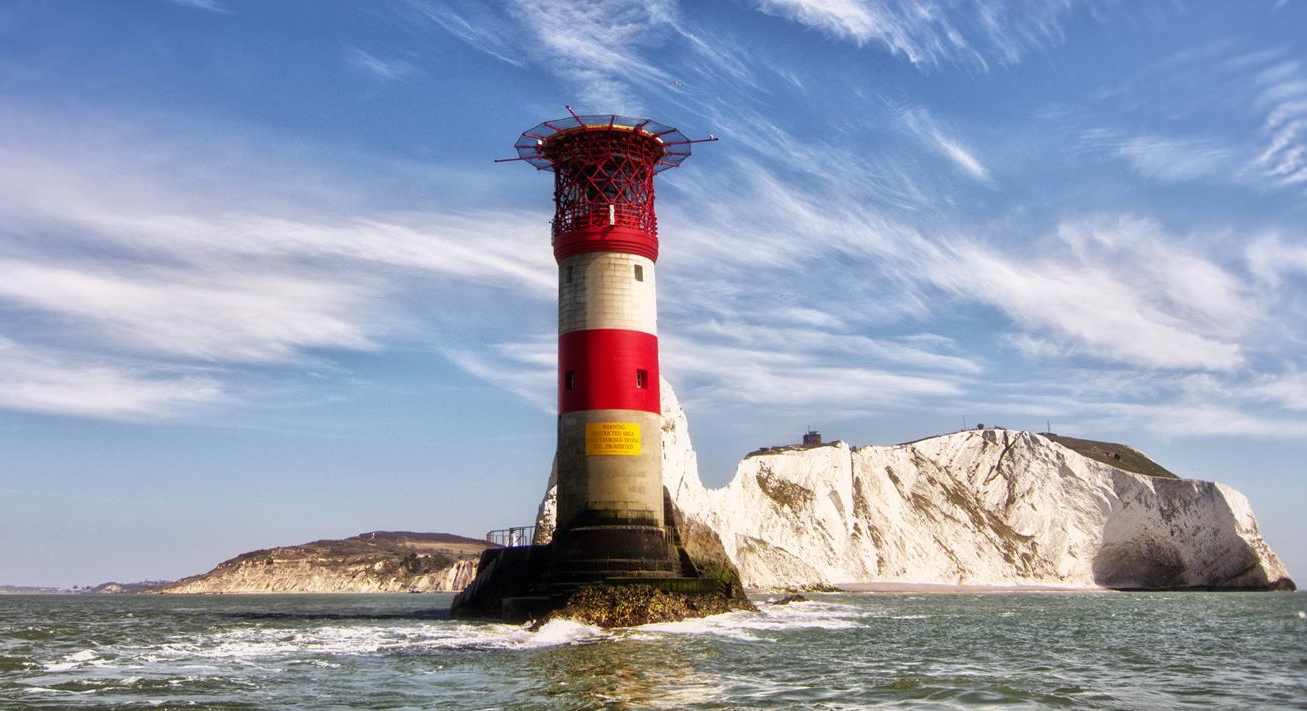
815, 345
210, 5
203, 209
921, 123
805, 316
528, 369
929, 33
565, 40
1288, 390
185, 260
1252, 106
963, 158
1174, 159
611, 74
1280, 95
1205, 418
238, 315
479, 28
1168, 159
1254, 58
785, 269
1121, 290
730, 373
1284, 158
1271, 259
562, 39
49, 383
367, 64
1094, 401
1036, 347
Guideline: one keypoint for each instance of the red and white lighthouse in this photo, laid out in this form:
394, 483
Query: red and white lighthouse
605, 240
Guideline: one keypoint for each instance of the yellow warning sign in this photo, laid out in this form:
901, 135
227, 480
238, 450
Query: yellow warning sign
619, 438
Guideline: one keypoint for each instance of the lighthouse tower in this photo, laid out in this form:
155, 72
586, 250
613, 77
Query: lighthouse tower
605, 240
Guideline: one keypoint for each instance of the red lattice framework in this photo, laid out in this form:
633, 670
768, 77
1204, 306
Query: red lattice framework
604, 168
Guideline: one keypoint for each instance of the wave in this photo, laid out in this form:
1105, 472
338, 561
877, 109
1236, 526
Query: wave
251, 645
76, 660
745, 626
377, 639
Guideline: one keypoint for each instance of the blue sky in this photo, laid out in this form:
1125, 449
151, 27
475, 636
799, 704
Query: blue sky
260, 282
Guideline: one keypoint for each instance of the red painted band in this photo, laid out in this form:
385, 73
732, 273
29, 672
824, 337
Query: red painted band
606, 239
604, 366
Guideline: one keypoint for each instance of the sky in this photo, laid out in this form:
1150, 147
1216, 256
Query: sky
261, 282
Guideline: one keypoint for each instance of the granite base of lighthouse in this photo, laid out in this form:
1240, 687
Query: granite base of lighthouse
522, 583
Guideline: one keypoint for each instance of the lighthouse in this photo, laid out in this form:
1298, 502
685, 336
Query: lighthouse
610, 518
617, 537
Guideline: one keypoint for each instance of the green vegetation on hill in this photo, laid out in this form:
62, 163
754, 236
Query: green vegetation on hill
789, 448
1118, 455
379, 561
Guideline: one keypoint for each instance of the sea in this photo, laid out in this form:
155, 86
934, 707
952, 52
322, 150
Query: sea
1110, 650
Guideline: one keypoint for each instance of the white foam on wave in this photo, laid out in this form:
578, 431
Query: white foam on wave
556, 632
46, 690
724, 625
262, 646
745, 626
255, 646
86, 657
251, 644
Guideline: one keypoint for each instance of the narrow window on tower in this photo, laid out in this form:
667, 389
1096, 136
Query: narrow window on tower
642, 379
567, 275
639, 272
569, 380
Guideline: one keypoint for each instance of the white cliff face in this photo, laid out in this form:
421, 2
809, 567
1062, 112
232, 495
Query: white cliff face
308, 577
547, 515
991, 507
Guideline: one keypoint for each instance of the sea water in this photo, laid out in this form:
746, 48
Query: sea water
836, 651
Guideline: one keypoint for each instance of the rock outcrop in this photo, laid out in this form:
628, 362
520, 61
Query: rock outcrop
631, 605
117, 588
982, 507
514, 584
381, 561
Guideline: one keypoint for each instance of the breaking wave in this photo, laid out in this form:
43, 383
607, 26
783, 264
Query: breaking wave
249, 646
745, 626
380, 639
837, 651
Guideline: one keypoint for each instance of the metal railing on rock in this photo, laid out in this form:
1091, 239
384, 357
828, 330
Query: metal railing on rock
509, 537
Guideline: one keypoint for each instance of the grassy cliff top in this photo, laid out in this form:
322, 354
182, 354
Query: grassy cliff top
780, 448
1118, 455
378, 543
1121, 456
377, 561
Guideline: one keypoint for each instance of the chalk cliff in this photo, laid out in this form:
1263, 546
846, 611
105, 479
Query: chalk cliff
381, 561
988, 507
